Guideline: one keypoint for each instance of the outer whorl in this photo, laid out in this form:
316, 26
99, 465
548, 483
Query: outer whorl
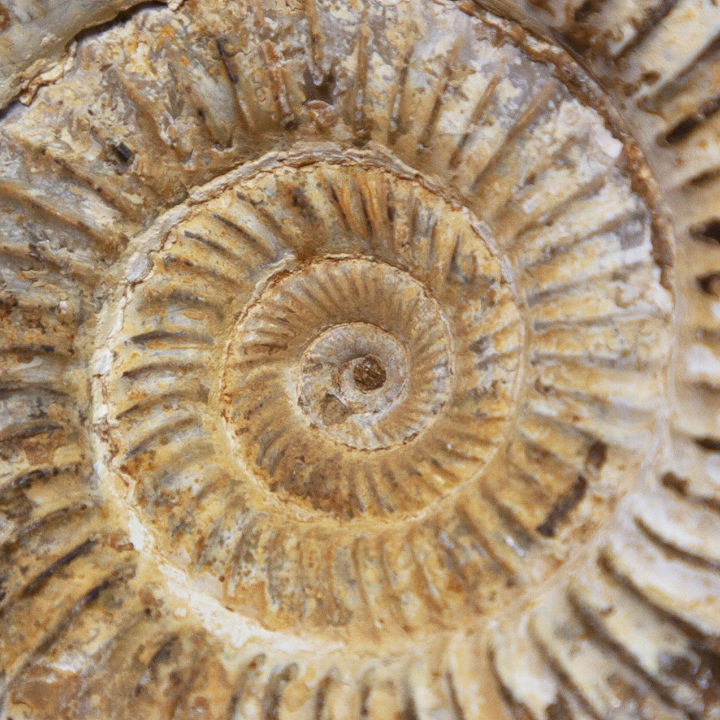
360, 360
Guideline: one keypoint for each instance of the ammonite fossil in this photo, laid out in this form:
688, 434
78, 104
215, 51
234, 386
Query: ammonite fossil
360, 359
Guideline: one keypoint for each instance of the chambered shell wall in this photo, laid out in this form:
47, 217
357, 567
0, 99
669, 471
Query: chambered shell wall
359, 360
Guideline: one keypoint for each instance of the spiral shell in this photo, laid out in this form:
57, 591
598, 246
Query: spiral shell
359, 362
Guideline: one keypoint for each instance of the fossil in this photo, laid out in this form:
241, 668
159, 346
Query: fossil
359, 360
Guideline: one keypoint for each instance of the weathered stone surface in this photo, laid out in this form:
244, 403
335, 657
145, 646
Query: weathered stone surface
37, 38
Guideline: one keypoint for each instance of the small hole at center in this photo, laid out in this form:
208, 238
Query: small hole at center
369, 374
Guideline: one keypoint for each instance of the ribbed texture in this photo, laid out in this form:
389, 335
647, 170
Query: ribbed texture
333, 367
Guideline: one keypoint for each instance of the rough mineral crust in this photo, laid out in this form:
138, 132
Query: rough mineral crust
38, 38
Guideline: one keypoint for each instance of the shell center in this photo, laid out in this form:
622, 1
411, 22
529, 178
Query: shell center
351, 375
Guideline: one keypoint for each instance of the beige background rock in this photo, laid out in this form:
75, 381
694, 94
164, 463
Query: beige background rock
36, 35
